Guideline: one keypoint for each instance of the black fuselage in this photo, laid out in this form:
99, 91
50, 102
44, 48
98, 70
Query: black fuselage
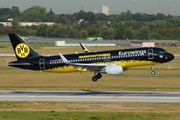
151, 56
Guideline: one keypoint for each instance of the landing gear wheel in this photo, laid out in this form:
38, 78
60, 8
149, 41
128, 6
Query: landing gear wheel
98, 75
94, 79
153, 72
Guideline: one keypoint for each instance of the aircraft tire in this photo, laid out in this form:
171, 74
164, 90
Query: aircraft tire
98, 75
94, 79
153, 72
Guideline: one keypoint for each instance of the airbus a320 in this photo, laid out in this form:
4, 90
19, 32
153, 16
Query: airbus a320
112, 62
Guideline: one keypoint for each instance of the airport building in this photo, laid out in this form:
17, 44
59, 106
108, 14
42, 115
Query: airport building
35, 23
6, 23
27, 23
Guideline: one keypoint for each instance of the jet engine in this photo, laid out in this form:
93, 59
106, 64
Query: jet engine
113, 69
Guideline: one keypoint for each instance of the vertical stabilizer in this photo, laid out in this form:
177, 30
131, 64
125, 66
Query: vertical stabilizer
21, 48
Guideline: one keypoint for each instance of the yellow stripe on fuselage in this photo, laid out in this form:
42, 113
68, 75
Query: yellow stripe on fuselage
124, 63
67, 68
134, 63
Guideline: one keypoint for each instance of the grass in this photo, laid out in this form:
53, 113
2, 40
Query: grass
133, 79
85, 116
88, 111
17, 79
52, 115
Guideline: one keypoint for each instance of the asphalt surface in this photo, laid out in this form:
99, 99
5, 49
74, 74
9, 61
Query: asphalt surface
91, 96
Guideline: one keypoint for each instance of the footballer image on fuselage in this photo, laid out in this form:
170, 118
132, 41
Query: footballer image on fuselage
112, 62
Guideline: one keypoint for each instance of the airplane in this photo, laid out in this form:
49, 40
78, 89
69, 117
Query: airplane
111, 62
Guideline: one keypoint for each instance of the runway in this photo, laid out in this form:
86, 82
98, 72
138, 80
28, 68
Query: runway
91, 96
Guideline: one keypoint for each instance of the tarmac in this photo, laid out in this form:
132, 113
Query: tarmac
91, 96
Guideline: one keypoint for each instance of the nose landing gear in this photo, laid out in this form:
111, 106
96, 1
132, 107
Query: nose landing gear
152, 71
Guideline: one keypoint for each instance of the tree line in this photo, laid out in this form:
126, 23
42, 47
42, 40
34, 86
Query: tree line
88, 24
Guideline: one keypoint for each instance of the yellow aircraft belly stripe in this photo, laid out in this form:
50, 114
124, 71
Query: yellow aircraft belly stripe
124, 63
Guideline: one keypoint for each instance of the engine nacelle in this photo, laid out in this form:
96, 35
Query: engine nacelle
114, 69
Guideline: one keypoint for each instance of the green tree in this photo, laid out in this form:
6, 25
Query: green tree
173, 22
84, 34
106, 32
51, 12
160, 23
5, 11
112, 18
50, 31
124, 16
133, 24
144, 33
101, 16
42, 30
93, 30
50, 16
15, 11
57, 30
15, 22
156, 36
62, 30
35, 14
118, 30
137, 16
91, 17
128, 33
80, 15
151, 25
72, 33
160, 16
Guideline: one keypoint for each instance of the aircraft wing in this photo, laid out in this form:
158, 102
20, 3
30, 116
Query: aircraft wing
84, 66
84, 48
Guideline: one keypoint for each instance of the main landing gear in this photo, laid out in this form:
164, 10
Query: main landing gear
96, 77
152, 71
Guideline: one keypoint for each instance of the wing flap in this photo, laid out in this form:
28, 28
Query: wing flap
97, 67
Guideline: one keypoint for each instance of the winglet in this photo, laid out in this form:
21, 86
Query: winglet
84, 48
65, 60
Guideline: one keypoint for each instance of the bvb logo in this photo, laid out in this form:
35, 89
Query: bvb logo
22, 50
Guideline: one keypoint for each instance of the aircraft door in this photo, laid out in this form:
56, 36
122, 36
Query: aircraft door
150, 54
42, 63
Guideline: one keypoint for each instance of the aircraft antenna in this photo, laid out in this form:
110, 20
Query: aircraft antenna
134, 7
159, 9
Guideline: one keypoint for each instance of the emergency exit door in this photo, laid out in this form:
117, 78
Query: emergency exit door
150, 54
42, 63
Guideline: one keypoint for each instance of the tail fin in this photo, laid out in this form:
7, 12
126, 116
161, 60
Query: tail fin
21, 48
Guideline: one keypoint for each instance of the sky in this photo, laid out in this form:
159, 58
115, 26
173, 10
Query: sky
115, 6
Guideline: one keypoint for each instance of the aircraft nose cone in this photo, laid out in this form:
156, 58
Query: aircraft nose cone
169, 56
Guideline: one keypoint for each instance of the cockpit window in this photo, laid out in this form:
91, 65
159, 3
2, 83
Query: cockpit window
162, 52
